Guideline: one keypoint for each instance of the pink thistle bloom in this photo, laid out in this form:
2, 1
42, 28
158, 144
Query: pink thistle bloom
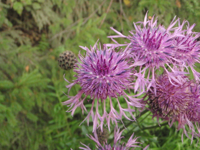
193, 110
150, 48
192, 115
103, 75
170, 100
176, 103
187, 48
116, 144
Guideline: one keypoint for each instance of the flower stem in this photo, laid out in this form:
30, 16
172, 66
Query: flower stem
138, 116
152, 127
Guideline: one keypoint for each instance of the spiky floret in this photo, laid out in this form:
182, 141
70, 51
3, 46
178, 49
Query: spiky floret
102, 75
150, 47
170, 100
193, 109
187, 49
179, 103
192, 115
116, 144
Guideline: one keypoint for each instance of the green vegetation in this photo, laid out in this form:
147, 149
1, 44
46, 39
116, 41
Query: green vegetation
32, 35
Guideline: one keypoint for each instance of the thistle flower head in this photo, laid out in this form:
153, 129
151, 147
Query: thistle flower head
150, 47
186, 52
116, 143
179, 103
150, 44
170, 100
191, 117
103, 75
193, 109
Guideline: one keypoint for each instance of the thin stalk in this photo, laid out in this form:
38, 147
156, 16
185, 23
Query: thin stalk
152, 127
142, 113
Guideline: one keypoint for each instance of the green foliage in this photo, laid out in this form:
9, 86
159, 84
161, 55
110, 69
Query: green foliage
32, 35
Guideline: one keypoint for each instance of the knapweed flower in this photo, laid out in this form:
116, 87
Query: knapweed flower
170, 100
192, 115
103, 75
193, 109
187, 49
151, 47
179, 103
116, 144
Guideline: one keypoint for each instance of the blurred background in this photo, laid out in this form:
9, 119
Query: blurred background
32, 35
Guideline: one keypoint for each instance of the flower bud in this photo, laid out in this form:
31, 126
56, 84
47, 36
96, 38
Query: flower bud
67, 60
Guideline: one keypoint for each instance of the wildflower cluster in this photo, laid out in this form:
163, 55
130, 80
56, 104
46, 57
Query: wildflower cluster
175, 50
156, 62
153, 47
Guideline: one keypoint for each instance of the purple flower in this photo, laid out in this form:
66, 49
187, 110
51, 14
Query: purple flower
170, 100
193, 109
103, 75
192, 115
187, 52
151, 48
179, 103
116, 145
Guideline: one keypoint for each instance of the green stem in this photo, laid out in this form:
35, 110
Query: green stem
145, 117
138, 116
152, 127
142, 113
138, 123
144, 128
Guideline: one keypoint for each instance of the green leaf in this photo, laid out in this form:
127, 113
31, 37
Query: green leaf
6, 84
11, 118
98, 31
39, 102
52, 94
32, 79
3, 108
7, 22
51, 87
36, 6
84, 130
46, 107
2, 17
28, 2
16, 107
2, 97
2, 117
79, 26
18, 7
25, 94
32, 117
41, 1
